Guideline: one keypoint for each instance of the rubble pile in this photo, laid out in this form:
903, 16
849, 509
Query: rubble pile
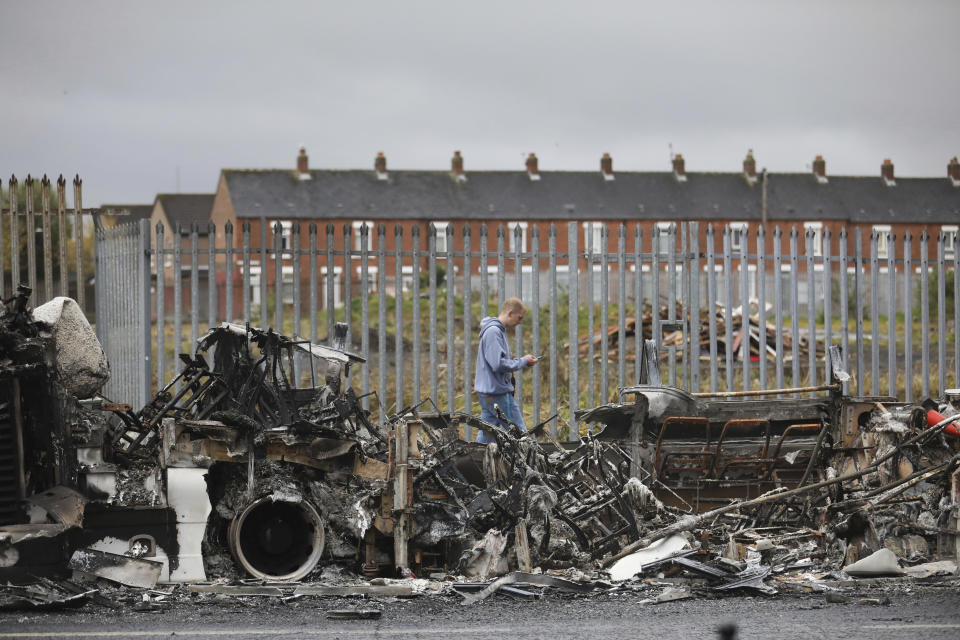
745, 334
257, 471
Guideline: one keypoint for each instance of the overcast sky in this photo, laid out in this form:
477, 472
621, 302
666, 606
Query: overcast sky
125, 93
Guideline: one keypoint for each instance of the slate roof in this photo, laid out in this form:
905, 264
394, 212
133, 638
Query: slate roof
585, 195
187, 208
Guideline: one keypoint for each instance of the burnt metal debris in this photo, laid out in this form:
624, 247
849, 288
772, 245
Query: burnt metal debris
258, 465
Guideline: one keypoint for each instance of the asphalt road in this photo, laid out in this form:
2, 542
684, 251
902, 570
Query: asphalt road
931, 613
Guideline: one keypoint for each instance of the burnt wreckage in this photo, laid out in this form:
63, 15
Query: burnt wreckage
250, 466
260, 460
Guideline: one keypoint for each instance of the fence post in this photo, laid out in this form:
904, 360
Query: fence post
415, 237
907, 317
146, 365
451, 285
621, 305
694, 307
47, 244
941, 318
432, 275
161, 267
875, 313
762, 303
467, 328
605, 313
365, 313
925, 313
78, 239
535, 293
61, 236
808, 241
382, 320
572, 331
892, 314
728, 304
794, 308
745, 305
554, 356
827, 303
31, 236
712, 308
638, 300
15, 236
398, 313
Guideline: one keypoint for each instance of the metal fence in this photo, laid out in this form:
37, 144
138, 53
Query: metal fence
413, 309
31, 221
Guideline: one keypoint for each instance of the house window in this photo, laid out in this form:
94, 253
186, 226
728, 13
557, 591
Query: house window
324, 283
738, 232
512, 234
593, 237
667, 240
406, 277
815, 229
441, 228
358, 238
371, 279
949, 241
882, 231
286, 228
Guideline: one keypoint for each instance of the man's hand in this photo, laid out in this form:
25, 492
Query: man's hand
531, 360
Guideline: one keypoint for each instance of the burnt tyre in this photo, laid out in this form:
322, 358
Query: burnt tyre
277, 539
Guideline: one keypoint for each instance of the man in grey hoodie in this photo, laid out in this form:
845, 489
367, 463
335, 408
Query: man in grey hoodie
494, 378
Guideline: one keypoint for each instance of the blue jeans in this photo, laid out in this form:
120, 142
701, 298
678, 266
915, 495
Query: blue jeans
507, 405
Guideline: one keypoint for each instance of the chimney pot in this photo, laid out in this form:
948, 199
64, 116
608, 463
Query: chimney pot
533, 169
750, 167
679, 168
886, 172
380, 164
606, 166
953, 171
303, 165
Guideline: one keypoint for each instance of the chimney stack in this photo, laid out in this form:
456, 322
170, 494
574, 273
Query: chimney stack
679, 169
380, 164
606, 166
456, 164
532, 169
303, 165
820, 169
953, 171
886, 172
750, 167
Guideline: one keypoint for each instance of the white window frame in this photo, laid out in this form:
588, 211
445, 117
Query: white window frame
737, 230
286, 234
881, 230
664, 229
950, 237
255, 273
817, 228
513, 224
596, 246
441, 228
357, 238
372, 280
337, 278
287, 283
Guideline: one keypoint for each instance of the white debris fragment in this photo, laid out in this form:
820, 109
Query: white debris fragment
880, 563
628, 566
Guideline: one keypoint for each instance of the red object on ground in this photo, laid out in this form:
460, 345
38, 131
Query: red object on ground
934, 417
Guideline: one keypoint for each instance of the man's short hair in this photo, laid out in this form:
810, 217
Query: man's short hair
512, 304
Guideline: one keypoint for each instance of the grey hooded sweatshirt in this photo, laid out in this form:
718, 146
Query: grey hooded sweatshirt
494, 364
